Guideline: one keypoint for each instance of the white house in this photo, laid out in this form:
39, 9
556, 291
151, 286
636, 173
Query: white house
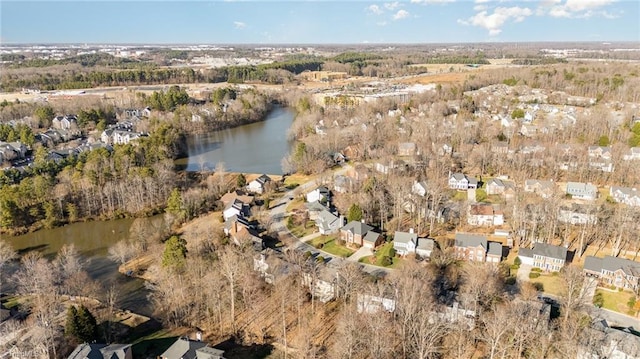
405, 243
484, 214
374, 304
320, 194
632, 154
329, 223
626, 195
584, 191
419, 188
258, 185
462, 182
235, 208
576, 216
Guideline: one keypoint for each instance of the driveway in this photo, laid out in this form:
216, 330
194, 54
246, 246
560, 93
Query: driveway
523, 273
362, 252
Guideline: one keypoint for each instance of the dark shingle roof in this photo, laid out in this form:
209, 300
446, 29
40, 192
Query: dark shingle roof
357, 227
549, 250
613, 264
495, 249
593, 264
183, 349
405, 237
470, 240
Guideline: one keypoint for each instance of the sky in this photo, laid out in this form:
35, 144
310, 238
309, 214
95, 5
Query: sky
318, 21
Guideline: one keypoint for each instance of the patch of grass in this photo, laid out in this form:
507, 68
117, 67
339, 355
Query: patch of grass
385, 251
551, 284
330, 245
296, 179
460, 196
615, 300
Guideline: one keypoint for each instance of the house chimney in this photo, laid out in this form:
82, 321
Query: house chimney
362, 220
341, 220
410, 230
199, 336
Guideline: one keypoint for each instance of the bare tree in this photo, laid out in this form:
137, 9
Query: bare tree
6, 255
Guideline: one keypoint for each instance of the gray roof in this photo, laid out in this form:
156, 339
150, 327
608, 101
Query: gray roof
357, 227
183, 348
426, 244
613, 264
470, 240
371, 236
209, 353
550, 251
593, 264
525, 252
581, 188
100, 351
405, 237
458, 176
495, 249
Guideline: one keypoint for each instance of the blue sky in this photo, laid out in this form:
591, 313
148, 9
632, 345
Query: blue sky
318, 22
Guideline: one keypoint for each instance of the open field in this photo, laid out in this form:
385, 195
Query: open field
615, 300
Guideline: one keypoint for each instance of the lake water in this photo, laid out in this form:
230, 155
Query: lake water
254, 148
92, 240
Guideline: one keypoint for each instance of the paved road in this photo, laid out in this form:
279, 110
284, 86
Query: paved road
278, 214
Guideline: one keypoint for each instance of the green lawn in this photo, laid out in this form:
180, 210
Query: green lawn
615, 300
550, 284
384, 250
329, 245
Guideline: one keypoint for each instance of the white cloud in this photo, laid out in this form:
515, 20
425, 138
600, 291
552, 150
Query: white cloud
494, 22
391, 5
479, 8
582, 5
575, 8
401, 14
239, 25
431, 1
381, 23
374, 9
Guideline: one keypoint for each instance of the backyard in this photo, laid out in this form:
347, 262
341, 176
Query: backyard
329, 244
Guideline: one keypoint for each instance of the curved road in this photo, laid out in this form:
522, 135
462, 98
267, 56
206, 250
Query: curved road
278, 214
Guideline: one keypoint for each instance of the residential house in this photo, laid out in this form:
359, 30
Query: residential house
405, 242
407, 149
102, 351
329, 223
314, 209
237, 194
599, 152
577, 214
600, 158
454, 313
259, 184
485, 214
619, 272
359, 173
472, 247
544, 189
320, 194
117, 136
500, 147
65, 122
497, 186
323, 284
419, 188
235, 208
241, 232
372, 304
602, 341
584, 191
529, 130
626, 195
545, 256
632, 155
462, 182
342, 184
532, 149
269, 265
360, 234
185, 348
494, 253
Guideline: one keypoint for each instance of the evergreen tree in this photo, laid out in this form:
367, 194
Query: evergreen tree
174, 202
175, 253
354, 213
81, 324
241, 181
